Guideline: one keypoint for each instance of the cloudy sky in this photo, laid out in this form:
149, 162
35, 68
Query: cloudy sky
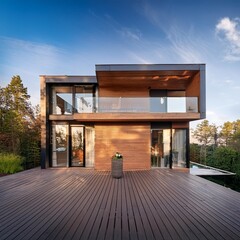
50, 37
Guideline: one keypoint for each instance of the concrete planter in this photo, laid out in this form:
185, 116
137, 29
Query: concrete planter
117, 168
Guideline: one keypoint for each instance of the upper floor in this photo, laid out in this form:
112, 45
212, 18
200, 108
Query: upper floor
132, 92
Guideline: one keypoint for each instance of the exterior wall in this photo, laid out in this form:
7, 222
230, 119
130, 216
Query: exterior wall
43, 94
126, 132
120, 91
193, 89
130, 139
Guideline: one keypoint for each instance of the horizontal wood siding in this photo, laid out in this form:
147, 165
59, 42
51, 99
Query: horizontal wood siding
130, 139
131, 117
120, 91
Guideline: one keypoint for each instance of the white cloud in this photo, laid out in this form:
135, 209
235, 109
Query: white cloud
229, 31
137, 58
129, 33
182, 44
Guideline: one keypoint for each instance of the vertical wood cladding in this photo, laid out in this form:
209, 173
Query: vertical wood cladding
130, 139
193, 88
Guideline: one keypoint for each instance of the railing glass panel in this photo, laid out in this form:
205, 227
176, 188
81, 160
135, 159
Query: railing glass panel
88, 104
148, 105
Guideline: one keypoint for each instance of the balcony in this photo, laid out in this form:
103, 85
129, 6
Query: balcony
147, 105
125, 105
125, 109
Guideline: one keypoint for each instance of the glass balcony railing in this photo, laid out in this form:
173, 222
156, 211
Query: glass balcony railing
148, 105
127, 105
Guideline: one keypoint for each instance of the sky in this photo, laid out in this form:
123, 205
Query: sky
68, 37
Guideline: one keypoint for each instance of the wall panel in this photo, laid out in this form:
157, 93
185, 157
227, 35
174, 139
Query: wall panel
130, 139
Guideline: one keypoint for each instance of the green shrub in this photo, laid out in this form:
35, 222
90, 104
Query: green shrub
10, 163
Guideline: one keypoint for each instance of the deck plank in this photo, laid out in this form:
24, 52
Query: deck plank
81, 203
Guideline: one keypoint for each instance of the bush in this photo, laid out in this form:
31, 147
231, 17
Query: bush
10, 163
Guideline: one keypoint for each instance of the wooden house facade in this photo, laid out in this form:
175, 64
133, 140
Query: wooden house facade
140, 110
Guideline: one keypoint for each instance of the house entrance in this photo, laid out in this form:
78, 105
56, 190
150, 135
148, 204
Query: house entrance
77, 155
72, 145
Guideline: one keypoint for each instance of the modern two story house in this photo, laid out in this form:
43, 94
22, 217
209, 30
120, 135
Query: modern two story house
140, 110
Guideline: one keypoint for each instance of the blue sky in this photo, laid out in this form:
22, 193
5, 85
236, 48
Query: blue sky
50, 37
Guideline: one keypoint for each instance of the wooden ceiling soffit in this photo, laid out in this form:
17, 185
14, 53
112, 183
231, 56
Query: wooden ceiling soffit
153, 79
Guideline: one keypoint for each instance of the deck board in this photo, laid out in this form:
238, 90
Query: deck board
79, 203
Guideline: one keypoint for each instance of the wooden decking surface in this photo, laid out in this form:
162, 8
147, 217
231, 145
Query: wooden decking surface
86, 204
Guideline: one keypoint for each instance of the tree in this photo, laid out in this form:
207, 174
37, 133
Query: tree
235, 143
206, 134
226, 133
230, 134
19, 121
220, 150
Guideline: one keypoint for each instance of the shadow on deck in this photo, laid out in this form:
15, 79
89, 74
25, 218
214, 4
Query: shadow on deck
86, 204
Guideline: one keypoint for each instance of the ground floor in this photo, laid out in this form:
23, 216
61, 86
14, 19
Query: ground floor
143, 145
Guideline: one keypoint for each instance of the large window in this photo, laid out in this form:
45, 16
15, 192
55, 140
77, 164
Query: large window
62, 100
84, 101
67, 100
168, 148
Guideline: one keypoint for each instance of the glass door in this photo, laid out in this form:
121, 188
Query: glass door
160, 149
59, 145
89, 146
77, 146
179, 147
168, 148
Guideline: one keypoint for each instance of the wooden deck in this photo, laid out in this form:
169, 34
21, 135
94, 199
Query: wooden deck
86, 204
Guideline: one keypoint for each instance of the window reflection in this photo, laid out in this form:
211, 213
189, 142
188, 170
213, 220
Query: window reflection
59, 145
160, 151
62, 100
179, 147
84, 101
162, 147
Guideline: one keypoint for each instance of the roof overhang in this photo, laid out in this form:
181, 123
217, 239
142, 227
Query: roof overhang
167, 76
69, 79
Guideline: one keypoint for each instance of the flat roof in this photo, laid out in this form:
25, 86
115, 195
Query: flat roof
149, 67
69, 79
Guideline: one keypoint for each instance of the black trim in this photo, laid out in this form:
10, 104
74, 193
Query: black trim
170, 157
161, 125
187, 148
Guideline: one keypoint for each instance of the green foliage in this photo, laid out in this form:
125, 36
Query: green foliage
205, 133
195, 153
10, 163
19, 123
219, 147
224, 158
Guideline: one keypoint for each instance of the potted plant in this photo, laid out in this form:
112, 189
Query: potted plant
117, 165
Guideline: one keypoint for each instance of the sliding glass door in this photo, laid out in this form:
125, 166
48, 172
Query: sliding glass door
168, 148
179, 147
160, 150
